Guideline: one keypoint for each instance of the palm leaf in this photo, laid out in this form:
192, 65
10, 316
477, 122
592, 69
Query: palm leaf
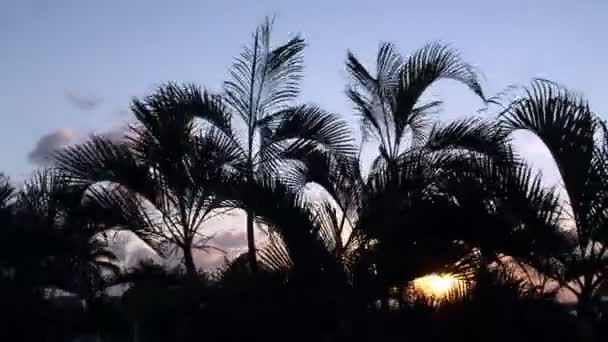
424, 68
564, 123
275, 257
216, 150
284, 211
473, 135
121, 209
306, 125
102, 160
263, 77
176, 105
7, 191
389, 102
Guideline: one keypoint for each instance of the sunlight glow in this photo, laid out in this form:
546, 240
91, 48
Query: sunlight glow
436, 285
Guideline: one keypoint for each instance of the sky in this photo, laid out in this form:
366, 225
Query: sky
70, 67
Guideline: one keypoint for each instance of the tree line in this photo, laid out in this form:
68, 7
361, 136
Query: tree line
345, 240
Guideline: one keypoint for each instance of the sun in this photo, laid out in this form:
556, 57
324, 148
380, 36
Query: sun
436, 285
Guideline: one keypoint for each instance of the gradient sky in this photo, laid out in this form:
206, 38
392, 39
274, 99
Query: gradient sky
69, 67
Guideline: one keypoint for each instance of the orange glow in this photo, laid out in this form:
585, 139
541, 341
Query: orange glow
436, 285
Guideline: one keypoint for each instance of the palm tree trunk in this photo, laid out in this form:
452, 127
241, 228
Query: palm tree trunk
253, 262
189, 263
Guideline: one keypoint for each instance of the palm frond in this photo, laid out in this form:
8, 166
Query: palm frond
564, 123
176, 105
45, 198
424, 68
360, 74
102, 160
371, 124
7, 191
264, 77
473, 135
339, 175
368, 93
121, 209
389, 102
312, 127
279, 207
215, 149
417, 128
275, 257
297, 136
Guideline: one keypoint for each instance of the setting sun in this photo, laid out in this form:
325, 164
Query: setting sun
436, 285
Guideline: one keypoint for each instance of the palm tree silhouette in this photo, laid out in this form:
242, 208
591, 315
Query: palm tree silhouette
69, 250
389, 100
251, 132
269, 130
577, 141
159, 180
77, 257
408, 181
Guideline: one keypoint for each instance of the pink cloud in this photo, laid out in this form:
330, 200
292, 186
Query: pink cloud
49, 144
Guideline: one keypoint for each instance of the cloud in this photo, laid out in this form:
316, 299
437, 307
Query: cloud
230, 240
50, 143
83, 102
209, 260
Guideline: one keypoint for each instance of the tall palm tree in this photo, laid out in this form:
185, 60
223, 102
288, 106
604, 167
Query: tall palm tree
269, 129
577, 141
462, 169
251, 132
389, 100
388, 220
159, 180
413, 150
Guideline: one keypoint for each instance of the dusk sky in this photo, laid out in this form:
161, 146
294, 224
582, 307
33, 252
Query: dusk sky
69, 68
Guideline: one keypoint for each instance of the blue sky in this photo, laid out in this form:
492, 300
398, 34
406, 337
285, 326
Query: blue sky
69, 67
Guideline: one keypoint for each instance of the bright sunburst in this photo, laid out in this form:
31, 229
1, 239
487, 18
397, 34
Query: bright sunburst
436, 285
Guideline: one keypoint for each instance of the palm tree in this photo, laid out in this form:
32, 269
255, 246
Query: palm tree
249, 133
51, 241
577, 141
305, 281
412, 165
387, 220
159, 180
466, 168
64, 231
389, 100
269, 130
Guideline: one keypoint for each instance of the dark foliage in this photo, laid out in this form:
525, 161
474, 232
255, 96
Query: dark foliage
345, 245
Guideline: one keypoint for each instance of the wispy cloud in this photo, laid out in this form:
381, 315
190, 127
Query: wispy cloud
83, 102
48, 144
